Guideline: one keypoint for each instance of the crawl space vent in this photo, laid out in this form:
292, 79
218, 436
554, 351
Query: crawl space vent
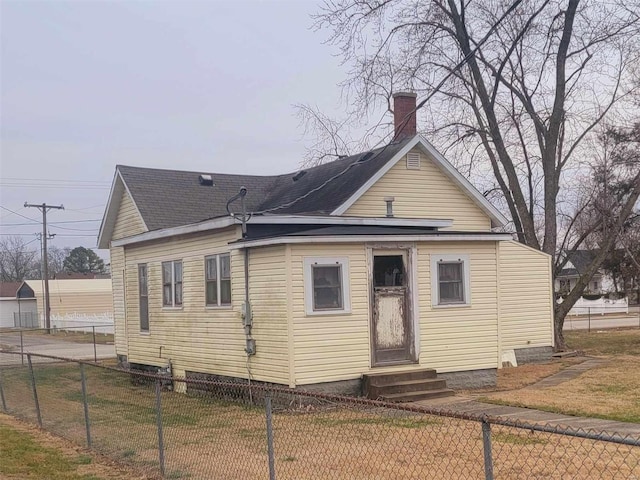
413, 161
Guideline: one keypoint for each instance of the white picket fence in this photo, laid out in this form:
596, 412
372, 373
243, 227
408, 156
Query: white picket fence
600, 306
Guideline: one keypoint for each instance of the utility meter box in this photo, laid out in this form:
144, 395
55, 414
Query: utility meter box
247, 314
251, 346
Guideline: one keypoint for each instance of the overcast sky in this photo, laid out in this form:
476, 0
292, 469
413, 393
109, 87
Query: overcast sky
207, 85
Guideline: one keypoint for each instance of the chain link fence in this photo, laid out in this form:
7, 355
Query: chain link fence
175, 428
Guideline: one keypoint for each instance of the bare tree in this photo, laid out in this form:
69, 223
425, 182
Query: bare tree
56, 259
17, 261
526, 83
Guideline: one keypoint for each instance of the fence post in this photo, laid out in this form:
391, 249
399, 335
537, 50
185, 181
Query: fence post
270, 450
85, 402
159, 423
4, 401
21, 348
589, 312
35, 392
95, 354
486, 444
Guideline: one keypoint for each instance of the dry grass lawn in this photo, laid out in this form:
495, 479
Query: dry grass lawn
606, 343
27, 452
611, 392
524, 375
208, 437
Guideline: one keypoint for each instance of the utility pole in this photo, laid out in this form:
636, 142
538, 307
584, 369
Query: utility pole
44, 208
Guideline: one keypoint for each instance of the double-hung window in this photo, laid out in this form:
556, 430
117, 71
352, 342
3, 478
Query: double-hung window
326, 285
172, 283
450, 280
143, 291
218, 280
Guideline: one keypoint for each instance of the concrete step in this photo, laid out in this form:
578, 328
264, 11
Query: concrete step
406, 386
392, 377
416, 396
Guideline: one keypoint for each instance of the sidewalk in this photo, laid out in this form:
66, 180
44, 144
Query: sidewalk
467, 404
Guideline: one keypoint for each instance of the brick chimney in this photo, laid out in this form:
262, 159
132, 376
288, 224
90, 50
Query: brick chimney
404, 114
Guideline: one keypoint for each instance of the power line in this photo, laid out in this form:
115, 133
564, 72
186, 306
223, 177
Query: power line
53, 180
18, 214
52, 223
34, 233
66, 187
31, 241
86, 208
75, 229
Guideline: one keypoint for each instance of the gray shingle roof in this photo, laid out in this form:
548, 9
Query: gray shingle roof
581, 259
170, 198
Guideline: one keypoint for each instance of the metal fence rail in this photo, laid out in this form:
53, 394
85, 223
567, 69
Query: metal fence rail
239, 431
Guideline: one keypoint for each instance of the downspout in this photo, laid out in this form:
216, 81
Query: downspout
247, 313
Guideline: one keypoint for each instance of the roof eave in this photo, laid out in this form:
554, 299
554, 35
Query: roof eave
435, 237
223, 222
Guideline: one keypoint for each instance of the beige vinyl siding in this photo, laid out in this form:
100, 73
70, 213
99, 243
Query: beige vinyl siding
201, 339
462, 337
128, 221
526, 316
424, 193
331, 347
117, 286
337, 347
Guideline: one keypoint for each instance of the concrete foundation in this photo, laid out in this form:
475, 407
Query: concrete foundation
352, 388
471, 378
533, 354
349, 388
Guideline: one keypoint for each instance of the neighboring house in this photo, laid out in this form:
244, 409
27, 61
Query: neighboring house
18, 306
77, 303
575, 267
379, 262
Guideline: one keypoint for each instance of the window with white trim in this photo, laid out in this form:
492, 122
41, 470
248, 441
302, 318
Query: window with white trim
450, 280
172, 283
143, 291
218, 280
326, 285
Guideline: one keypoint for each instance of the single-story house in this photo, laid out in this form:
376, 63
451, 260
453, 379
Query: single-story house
18, 306
381, 262
77, 304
